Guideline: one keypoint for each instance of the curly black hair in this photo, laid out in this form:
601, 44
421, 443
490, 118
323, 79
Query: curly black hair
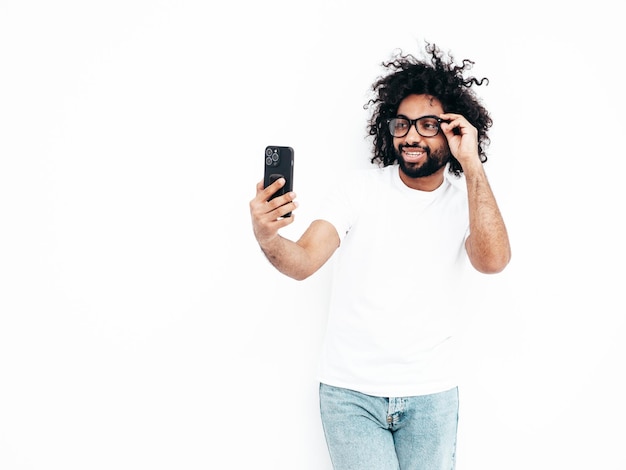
440, 77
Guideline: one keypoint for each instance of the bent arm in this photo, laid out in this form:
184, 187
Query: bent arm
488, 245
297, 260
301, 259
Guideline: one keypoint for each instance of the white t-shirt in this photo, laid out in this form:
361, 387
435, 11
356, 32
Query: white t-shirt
397, 284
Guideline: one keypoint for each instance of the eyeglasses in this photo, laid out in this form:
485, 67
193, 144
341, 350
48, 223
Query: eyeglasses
426, 126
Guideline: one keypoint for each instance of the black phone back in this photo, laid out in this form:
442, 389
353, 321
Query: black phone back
279, 164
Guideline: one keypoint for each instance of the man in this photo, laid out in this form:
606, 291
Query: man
403, 233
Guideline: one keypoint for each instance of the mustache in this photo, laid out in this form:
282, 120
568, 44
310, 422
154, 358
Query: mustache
403, 146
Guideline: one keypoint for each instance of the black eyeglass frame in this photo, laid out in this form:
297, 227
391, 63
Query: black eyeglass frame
413, 122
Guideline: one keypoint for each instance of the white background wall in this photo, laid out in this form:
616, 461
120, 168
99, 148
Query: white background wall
141, 327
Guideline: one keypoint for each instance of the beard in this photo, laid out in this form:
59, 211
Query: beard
433, 163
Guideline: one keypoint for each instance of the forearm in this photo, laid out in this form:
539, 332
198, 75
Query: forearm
301, 259
488, 245
287, 256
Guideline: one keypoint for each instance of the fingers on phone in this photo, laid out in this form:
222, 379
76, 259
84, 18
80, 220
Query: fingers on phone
284, 205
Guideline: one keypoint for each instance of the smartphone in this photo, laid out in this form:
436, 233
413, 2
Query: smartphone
279, 164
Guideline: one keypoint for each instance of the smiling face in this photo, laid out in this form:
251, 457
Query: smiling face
421, 159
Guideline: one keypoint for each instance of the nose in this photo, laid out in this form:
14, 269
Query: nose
413, 136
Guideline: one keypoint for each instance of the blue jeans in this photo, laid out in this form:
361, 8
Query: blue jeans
375, 433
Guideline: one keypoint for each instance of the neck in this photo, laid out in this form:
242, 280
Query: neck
423, 183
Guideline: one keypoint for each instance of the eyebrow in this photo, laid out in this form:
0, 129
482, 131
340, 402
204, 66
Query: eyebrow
411, 119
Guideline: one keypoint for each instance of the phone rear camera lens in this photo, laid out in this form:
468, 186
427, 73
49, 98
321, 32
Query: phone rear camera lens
268, 152
275, 157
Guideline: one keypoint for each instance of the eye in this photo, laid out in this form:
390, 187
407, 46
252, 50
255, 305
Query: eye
400, 124
429, 124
